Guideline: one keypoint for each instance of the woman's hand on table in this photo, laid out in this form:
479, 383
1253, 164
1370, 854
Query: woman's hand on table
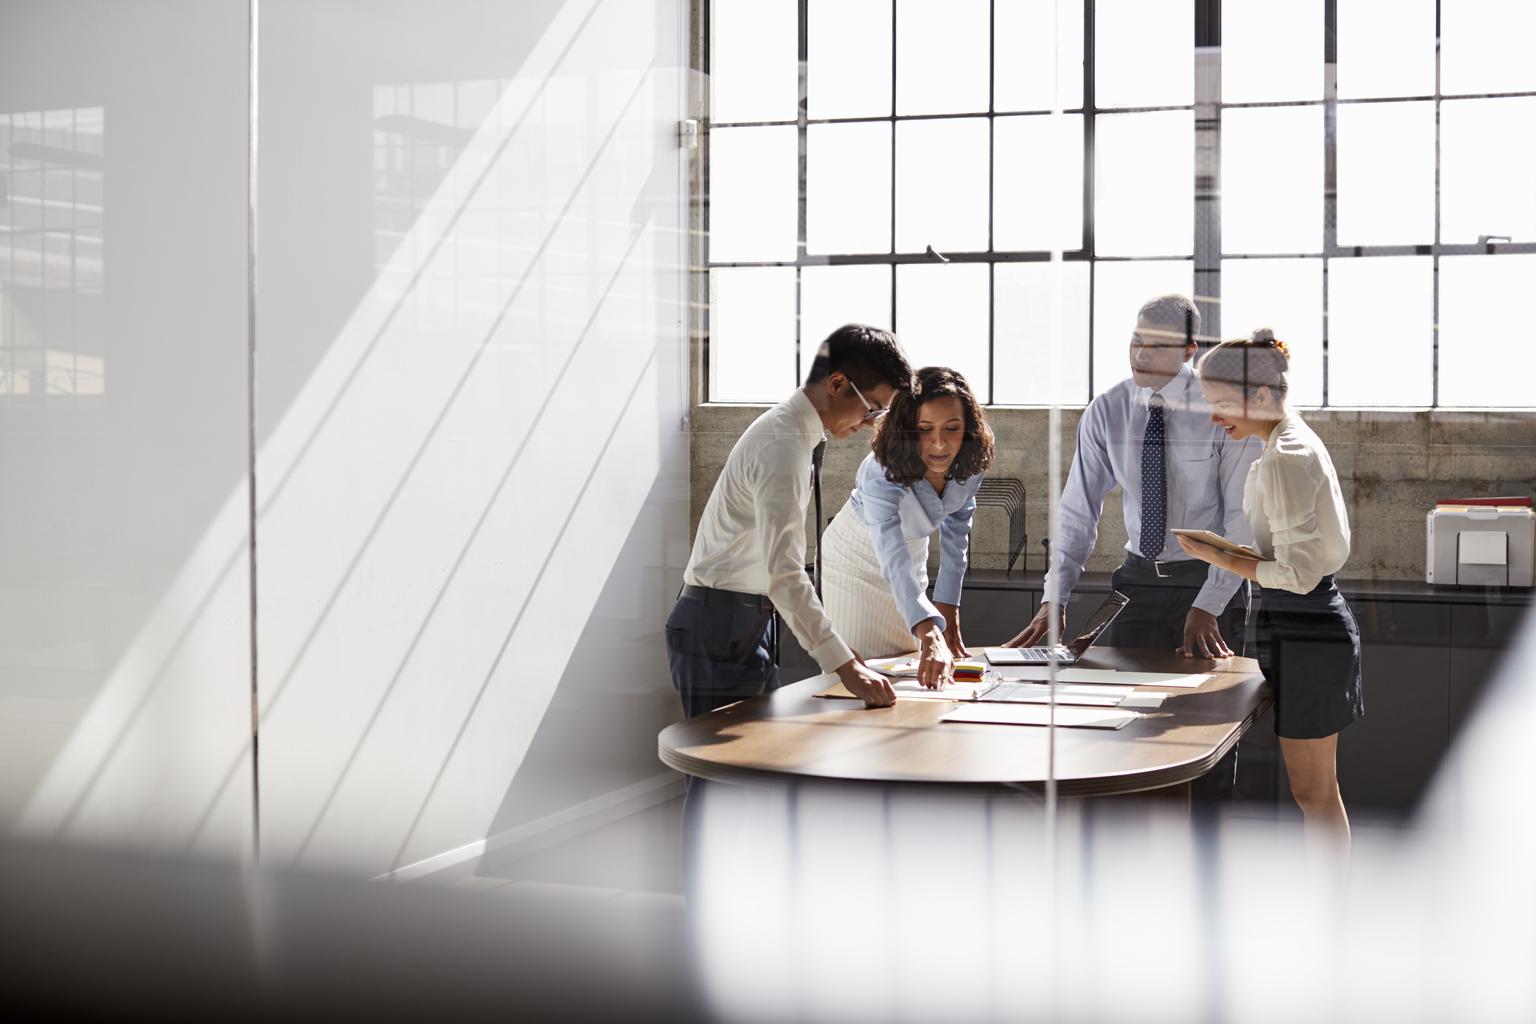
951, 613
935, 661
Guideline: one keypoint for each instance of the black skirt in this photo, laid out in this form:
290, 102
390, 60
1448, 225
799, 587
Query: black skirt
1309, 650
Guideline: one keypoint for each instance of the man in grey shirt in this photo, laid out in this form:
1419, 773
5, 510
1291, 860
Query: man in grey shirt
1152, 435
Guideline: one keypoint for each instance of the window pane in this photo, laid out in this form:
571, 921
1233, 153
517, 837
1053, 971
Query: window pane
1376, 63
941, 185
1036, 365
1144, 178
848, 187
836, 84
1487, 354
1023, 56
941, 318
751, 333
1381, 315
1487, 151
754, 61
1272, 179
1144, 54
753, 180
833, 296
1119, 290
942, 56
1271, 51
1485, 46
1286, 295
1037, 182
1386, 173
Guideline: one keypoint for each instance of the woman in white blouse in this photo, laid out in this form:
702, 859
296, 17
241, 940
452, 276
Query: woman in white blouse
930, 454
1308, 644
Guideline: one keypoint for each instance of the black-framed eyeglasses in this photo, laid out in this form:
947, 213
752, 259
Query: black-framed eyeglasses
871, 412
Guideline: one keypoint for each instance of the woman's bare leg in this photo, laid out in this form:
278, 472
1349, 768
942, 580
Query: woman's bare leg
1313, 769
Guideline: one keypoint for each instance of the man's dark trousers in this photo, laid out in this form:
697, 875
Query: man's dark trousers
720, 649
1155, 618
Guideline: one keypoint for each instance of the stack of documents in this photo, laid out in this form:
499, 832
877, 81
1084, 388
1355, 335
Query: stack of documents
1028, 685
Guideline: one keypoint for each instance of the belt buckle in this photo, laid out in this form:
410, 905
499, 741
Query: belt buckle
1157, 567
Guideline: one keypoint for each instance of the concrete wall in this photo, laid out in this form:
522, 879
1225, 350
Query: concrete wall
1393, 465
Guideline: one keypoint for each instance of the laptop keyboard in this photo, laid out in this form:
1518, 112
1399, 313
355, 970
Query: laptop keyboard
1041, 655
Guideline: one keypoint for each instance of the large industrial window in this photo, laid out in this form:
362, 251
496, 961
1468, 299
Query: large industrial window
1364, 192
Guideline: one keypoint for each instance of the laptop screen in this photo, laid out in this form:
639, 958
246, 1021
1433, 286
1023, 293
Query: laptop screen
1101, 618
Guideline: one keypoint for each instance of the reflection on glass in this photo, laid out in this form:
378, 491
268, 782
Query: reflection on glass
1376, 63
1487, 152
833, 296
1119, 291
752, 330
1486, 355
1023, 57
754, 72
941, 185
942, 59
1381, 331
1286, 295
1271, 51
1486, 46
753, 209
836, 85
1035, 366
941, 317
848, 187
420, 130
1038, 182
1272, 179
1144, 53
52, 340
1144, 184
1386, 173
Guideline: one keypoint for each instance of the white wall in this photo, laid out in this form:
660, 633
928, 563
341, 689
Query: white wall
124, 625
470, 388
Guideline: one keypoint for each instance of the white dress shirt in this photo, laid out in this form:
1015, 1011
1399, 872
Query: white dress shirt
751, 537
1205, 470
1293, 500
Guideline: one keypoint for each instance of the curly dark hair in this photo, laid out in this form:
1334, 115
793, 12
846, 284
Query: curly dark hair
896, 439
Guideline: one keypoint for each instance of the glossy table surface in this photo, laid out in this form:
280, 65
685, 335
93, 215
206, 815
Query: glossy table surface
792, 734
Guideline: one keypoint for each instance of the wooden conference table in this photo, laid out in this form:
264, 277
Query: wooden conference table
792, 735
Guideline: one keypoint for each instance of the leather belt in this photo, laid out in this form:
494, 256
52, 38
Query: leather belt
1164, 569
709, 595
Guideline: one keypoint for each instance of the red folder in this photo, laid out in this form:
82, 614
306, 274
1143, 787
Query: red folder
1513, 501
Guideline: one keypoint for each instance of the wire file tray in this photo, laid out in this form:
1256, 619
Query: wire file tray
1007, 493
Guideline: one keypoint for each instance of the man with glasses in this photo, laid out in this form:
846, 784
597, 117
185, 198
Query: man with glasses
749, 551
1151, 435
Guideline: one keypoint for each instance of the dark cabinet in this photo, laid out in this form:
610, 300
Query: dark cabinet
1387, 758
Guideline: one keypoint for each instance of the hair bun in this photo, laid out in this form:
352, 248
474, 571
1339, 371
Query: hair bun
1264, 337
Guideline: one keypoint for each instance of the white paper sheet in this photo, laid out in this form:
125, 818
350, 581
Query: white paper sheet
1034, 714
1039, 693
1102, 676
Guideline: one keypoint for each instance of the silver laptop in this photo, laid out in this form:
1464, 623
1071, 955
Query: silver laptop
1063, 654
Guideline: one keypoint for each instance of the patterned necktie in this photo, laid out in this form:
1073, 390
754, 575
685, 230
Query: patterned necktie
1154, 481
817, 454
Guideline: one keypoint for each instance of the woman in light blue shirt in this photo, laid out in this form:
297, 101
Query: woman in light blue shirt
930, 454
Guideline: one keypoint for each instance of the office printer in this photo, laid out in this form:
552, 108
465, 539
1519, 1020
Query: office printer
1487, 542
